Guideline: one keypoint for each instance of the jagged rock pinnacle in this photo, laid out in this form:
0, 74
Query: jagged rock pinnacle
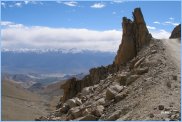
135, 36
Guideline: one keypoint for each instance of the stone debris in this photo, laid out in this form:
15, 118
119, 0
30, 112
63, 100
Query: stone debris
114, 116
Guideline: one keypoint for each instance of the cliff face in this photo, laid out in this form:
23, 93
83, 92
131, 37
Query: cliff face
135, 36
176, 33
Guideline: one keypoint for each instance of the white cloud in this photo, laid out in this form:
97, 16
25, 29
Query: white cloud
6, 23
160, 34
70, 3
3, 4
26, 2
98, 5
18, 4
10, 24
171, 18
118, 1
150, 27
18, 36
156, 22
37, 37
113, 12
170, 23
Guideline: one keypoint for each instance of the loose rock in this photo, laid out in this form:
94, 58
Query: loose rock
75, 112
161, 107
114, 116
131, 79
110, 94
139, 62
88, 117
141, 71
120, 96
71, 103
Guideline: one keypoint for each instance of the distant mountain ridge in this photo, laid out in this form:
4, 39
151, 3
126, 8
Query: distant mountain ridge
73, 50
53, 61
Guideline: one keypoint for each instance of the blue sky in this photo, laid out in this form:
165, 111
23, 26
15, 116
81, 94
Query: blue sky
95, 17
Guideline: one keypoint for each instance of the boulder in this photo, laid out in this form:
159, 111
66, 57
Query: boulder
110, 94
117, 87
153, 51
131, 79
174, 77
121, 78
64, 108
114, 116
112, 91
101, 101
86, 91
88, 117
78, 101
86, 112
139, 62
98, 111
161, 107
120, 96
71, 103
75, 112
140, 71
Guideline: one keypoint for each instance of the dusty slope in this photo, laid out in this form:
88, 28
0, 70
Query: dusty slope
173, 48
19, 104
133, 93
160, 86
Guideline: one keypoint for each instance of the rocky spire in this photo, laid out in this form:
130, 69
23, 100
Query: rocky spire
135, 36
176, 33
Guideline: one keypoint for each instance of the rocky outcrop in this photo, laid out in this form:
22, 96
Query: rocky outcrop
135, 36
176, 33
73, 86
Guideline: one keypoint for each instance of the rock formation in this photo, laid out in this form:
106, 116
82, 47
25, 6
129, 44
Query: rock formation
176, 33
74, 86
135, 36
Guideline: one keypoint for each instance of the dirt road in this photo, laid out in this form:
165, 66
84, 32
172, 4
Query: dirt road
173, 47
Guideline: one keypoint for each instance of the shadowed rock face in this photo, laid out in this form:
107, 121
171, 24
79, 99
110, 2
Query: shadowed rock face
135, 36
73, 86
176, 33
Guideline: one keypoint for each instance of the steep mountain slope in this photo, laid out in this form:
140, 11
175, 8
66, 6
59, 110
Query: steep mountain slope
143, 83
20, 104
147, 88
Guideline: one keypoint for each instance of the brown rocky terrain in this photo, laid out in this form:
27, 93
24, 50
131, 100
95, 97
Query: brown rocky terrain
176, 33
143, 83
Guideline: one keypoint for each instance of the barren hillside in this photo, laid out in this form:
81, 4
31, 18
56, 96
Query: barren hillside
20, 104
